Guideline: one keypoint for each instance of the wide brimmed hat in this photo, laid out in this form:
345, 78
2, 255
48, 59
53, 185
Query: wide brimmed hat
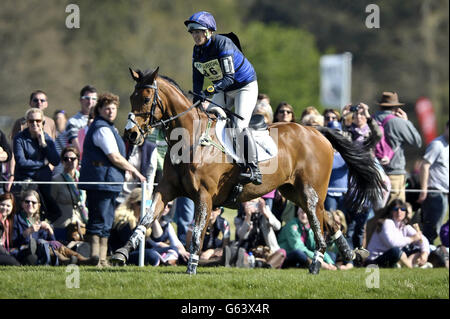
390, 99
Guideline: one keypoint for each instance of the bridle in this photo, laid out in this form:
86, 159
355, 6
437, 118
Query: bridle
150, 121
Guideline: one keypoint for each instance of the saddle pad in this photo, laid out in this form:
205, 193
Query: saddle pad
266, 147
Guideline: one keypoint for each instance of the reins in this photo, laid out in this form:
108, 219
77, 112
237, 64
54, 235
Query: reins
157, 102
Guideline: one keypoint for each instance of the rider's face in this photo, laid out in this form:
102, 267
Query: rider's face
199, 37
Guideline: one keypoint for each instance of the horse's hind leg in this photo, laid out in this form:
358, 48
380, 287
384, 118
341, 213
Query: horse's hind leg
338, 237
202, 212
315, 212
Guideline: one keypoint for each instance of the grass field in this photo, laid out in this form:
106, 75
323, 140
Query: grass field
219, 283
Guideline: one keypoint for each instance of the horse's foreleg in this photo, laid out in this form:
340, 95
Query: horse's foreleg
121, 255
202, 212
315, 217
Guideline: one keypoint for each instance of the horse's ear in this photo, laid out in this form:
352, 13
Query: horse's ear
135, 75
155, 73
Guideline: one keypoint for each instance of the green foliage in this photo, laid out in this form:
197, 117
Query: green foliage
286, 62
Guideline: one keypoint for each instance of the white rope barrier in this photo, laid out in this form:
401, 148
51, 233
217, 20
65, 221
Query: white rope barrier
331, 189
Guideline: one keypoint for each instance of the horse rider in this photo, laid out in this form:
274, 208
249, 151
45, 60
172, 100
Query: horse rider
219, 59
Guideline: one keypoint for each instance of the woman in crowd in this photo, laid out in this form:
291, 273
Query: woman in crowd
297, 238
34, 153
309, 110
7, 211
103, 161
395, 243
284, 113
330, 115
70, 199
29, 230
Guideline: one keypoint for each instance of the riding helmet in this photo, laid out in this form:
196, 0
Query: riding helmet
201, 21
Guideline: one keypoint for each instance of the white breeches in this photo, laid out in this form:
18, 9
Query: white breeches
243, 100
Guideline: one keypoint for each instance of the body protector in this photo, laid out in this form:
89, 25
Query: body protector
221, 61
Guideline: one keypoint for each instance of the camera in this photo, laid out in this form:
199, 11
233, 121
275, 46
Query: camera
255, 217
354, 108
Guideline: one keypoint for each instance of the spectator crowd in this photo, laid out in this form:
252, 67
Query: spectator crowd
72, 222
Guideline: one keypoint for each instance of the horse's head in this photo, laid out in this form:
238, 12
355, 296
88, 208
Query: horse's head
146, 107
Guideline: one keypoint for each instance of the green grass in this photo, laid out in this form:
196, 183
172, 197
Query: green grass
220, 282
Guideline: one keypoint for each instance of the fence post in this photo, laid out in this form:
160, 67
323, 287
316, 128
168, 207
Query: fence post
143, 205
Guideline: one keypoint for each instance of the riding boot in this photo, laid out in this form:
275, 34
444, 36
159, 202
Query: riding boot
103, 252
251, 159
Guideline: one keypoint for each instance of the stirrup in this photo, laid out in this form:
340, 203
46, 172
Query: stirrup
253, 175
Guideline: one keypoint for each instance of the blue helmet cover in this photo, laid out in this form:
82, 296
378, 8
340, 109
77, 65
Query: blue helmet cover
203, 18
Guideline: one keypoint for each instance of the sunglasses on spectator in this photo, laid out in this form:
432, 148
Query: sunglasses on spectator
89, 98
285, 111
330, 117
403, 209
31, 202
69, 159
36, 100
31, 121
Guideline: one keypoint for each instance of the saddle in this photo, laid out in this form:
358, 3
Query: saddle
226, 133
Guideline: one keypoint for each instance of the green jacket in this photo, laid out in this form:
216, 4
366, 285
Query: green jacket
290, 239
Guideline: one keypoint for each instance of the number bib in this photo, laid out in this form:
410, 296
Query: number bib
210, 69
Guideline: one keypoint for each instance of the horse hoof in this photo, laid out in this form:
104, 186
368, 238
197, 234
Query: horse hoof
191, 270
314, 268
120, 257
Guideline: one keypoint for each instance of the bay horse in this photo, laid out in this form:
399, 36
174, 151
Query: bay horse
302, 172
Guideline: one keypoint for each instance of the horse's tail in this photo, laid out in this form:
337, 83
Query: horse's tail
365, 182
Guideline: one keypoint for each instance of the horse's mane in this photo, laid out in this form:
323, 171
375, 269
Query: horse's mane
164, 77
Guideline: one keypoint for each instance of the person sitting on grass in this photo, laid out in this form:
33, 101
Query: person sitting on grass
394, 243
297, 238
29, 231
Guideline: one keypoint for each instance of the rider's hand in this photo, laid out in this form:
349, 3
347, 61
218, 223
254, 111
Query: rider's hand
210, 91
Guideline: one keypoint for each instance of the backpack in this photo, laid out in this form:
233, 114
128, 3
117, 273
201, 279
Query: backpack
383, 149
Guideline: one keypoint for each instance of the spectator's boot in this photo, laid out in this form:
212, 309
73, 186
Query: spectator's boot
65, 260
95, 245
251, 173
80, 259
103, 252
